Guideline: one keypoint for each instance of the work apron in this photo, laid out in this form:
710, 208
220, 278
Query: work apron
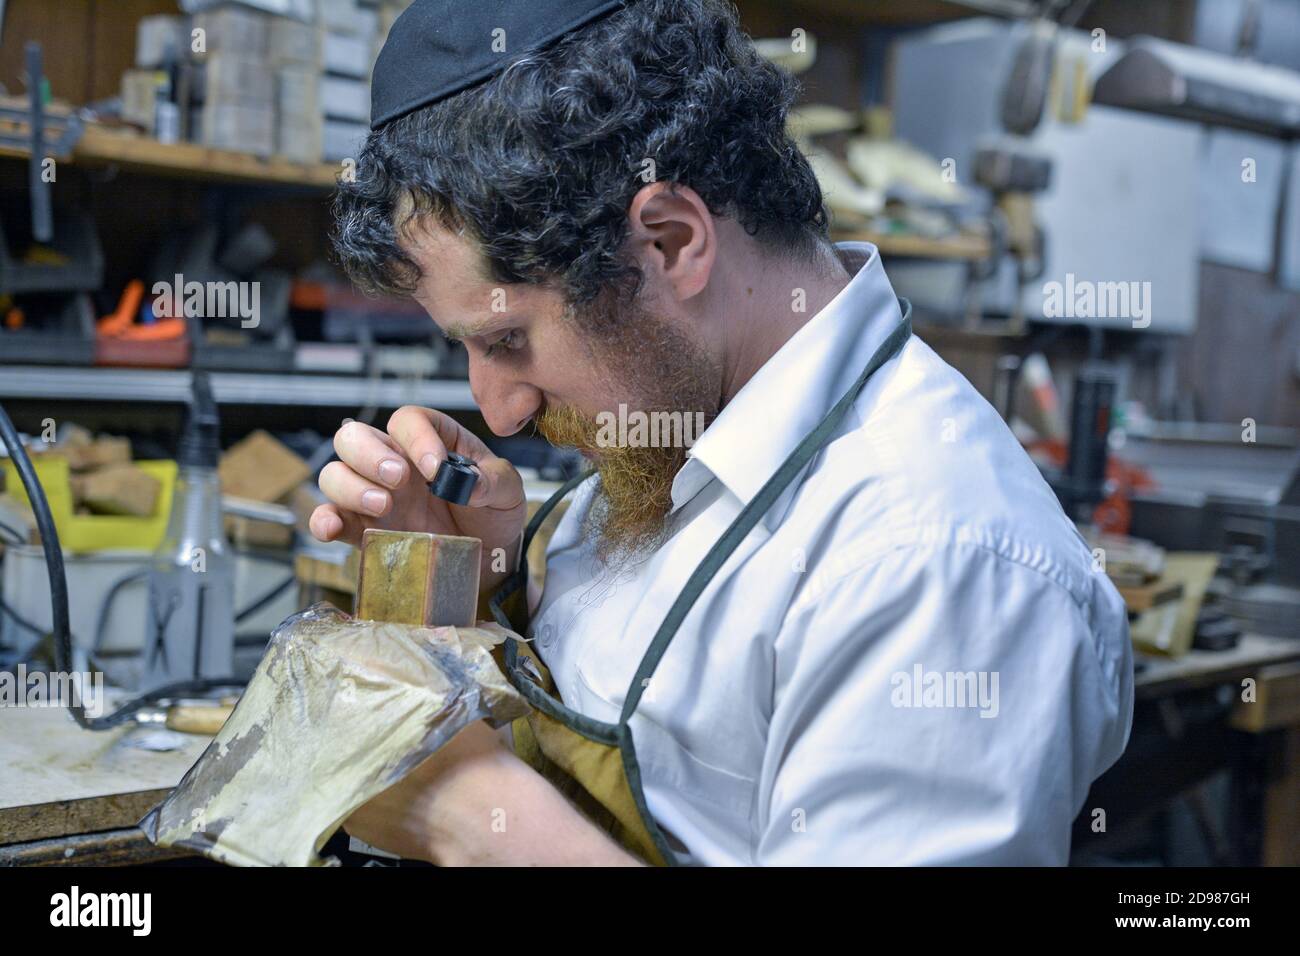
594, 763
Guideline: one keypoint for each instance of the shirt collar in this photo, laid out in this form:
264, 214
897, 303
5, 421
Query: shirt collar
795, 388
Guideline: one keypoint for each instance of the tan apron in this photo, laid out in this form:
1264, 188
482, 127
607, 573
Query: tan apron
594, 763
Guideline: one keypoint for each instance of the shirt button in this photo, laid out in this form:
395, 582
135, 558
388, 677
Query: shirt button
545, 635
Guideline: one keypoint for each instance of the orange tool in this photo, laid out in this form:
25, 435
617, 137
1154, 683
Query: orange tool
122, 325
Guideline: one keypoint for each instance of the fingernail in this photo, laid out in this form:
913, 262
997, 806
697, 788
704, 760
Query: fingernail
428, 465
325, 527
374, 501
390, 472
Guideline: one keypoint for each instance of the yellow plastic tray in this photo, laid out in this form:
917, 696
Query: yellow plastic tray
85, 533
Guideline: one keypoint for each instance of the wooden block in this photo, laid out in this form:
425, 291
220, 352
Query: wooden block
252, 533
100, 453
418, 578
336, 576
117, 490
261, 468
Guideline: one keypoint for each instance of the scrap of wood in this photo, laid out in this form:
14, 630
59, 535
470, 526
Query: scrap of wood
117, 490
100, 453
261, 468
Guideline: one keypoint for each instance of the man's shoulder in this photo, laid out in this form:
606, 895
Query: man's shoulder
926, 462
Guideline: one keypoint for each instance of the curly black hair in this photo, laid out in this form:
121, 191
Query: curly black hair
540, 164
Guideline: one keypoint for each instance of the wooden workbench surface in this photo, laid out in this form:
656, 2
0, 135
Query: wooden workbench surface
59, 779
1203, 668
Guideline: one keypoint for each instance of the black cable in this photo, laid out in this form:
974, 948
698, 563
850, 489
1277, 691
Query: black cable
21, 654
21, 621
62, 629
105, 605
265, 599
40, 506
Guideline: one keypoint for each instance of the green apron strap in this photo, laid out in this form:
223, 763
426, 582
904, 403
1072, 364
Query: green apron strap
753, 513
520, 578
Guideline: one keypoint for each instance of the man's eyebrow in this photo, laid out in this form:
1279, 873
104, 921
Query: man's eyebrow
462, 330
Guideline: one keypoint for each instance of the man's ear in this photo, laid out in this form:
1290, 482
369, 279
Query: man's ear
672, 236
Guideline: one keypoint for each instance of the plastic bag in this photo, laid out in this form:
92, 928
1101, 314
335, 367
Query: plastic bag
337, 712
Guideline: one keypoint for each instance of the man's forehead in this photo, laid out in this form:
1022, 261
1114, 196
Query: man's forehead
456, 287
453, 274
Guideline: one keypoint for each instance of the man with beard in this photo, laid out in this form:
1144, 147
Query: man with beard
605, 208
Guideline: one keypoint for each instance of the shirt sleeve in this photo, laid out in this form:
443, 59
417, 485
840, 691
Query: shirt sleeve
945, 705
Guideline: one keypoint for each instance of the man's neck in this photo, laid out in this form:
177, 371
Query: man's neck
776, 298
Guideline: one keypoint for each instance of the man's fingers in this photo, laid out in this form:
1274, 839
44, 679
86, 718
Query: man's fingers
328, 523
499, 485
372, 454
351, 492
425, 435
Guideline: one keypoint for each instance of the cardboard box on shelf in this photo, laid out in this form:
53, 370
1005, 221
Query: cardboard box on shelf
347, 16
297, 95
342, 140
300, 141
292, 41
245, 129
345, 55
159, 40
231, 78
232, 29
298, 9
345, 98
140, 92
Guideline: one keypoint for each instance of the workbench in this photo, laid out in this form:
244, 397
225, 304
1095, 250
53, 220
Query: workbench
73, 796
1189, 724
69, 796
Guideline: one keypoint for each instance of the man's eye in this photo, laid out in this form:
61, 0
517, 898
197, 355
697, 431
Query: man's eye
509, 342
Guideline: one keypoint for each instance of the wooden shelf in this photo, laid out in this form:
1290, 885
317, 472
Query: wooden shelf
101, 146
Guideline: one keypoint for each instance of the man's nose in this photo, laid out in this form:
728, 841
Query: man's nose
506, 404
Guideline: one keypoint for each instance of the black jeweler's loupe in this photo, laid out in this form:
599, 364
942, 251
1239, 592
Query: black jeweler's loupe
454, 480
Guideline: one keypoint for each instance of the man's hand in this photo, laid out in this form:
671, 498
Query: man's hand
475, 803
380, 481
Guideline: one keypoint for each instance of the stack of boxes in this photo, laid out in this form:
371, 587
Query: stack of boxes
295, 53
348, 33
239, 75
235, 82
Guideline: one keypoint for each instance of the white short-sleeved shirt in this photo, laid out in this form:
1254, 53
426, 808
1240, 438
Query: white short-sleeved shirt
910, 660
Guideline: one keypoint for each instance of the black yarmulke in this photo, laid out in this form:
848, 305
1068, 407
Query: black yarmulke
437, 48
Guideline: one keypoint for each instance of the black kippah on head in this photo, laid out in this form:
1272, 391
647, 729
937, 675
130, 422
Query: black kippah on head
438, 48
